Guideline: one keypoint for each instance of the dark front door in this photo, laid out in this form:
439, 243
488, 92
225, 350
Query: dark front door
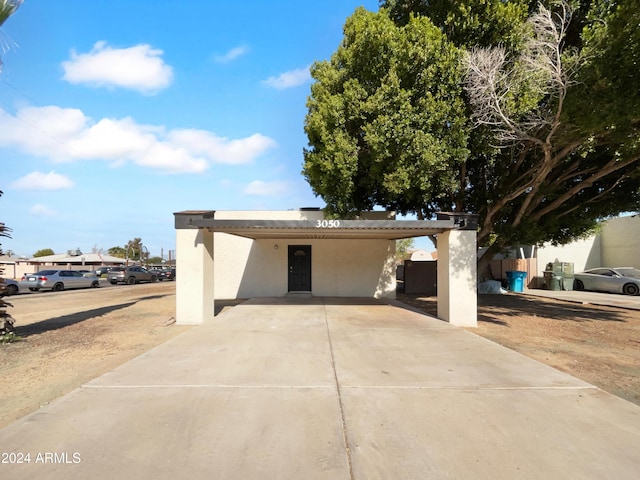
299, 268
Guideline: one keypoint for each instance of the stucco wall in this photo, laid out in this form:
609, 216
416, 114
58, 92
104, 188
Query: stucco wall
246, 268
621, 242
584, 254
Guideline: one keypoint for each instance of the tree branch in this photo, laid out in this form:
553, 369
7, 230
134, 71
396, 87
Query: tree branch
611, 167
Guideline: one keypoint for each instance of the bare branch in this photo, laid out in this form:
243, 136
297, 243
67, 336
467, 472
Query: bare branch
493, 81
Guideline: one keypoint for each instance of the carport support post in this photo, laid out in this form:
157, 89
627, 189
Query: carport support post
194, 276
457, 277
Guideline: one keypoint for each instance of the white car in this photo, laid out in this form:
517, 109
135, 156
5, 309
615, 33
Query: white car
58, 280
615, 280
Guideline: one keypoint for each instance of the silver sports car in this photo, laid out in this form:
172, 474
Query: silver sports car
615, 280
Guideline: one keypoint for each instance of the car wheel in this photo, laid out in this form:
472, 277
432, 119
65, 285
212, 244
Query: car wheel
578, 285
58, 287
131, 280
630, 289
95, 284
154, 279
12, 289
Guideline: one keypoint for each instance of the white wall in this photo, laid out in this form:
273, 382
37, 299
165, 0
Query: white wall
584, 254
246, 268
621, 242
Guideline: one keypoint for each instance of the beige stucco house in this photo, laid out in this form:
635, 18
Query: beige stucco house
245, 254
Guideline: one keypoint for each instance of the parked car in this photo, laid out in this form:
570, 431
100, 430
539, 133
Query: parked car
102, 271
57, 280
165, 274
615, 280
13, 288
130, 275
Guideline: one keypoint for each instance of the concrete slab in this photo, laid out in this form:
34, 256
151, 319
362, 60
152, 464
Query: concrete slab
387, 346
490, 434
185, 432
326, 388
255, 345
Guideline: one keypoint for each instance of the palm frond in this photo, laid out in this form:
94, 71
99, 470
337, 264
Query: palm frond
8, 8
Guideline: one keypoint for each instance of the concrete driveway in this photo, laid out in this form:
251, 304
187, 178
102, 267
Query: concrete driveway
328, 388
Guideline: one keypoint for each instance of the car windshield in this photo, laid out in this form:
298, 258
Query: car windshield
629, 272
47, 272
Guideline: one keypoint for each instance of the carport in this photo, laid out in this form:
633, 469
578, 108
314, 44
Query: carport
196, 244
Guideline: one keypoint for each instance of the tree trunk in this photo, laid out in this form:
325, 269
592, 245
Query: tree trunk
484, 262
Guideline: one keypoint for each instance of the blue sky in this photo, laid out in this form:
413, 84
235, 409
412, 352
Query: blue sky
114, 114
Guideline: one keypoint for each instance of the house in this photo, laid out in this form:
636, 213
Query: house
423, 256
73, 259
246, 254
12, 267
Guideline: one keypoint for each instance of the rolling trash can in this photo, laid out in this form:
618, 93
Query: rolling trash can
515, 280
552, 281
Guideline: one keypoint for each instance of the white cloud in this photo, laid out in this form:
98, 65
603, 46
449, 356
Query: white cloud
231, 55
66, 135
42, 181
262, 189
139, 68
42, 211
42, 131
221, 149
292, 78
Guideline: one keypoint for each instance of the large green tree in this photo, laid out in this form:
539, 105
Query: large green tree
545, 138
117, 251
387, 122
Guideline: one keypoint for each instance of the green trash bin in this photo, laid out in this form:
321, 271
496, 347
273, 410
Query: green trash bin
515, 280
564, 272
552, 281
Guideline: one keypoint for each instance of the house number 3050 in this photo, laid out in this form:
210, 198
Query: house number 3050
327, 223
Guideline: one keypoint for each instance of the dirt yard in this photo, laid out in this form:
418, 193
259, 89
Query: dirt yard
69, 338
600, 345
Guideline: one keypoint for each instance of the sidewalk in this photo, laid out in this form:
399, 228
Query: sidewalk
328, 388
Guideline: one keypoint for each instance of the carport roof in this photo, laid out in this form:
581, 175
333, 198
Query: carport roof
325, 229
